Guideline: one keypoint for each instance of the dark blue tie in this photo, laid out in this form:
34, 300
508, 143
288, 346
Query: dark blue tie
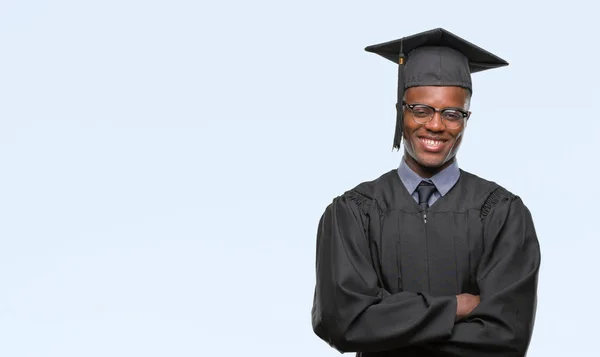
425, 190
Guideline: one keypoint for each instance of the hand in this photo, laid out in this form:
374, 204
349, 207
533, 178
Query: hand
465, 303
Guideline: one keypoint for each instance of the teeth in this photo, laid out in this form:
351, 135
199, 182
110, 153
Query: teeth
432, 142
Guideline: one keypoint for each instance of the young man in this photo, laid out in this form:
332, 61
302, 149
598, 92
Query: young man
428, 259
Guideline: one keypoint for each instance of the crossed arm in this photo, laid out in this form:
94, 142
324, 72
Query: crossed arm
353, 314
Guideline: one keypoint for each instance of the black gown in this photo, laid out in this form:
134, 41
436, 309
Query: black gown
387, 279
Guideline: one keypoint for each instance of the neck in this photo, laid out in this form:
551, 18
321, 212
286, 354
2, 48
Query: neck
425, 171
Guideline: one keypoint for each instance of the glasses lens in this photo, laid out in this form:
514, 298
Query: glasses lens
421, 113
452, 117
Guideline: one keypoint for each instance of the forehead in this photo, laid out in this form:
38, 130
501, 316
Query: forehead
437, 96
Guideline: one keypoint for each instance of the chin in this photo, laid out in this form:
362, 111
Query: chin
431, 161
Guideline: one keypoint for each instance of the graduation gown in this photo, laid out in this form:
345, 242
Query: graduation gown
387, 279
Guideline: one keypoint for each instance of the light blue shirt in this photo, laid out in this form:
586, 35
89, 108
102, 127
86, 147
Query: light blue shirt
443, 180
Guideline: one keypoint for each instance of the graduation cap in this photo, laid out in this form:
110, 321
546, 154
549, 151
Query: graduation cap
433, 58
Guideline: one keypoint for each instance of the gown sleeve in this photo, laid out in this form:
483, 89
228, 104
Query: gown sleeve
502, 323
351, 312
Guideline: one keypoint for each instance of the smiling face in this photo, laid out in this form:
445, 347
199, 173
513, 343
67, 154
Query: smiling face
431, 147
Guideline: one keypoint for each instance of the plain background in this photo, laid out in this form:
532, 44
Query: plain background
164, 164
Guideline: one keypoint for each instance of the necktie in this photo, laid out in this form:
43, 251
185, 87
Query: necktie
425, 190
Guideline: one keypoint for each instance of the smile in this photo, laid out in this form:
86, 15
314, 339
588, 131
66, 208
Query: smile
432, 146
431, 142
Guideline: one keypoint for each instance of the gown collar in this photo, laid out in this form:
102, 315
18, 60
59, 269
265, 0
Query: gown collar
443, 180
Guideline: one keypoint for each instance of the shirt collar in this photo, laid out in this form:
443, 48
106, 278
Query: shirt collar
443, 180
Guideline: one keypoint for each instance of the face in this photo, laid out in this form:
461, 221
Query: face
431, 147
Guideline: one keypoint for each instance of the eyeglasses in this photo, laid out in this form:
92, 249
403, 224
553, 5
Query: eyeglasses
422, 114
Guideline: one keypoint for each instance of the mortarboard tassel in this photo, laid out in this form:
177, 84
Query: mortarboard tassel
399, 109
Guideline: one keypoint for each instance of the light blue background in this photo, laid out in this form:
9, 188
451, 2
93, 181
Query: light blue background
164, 164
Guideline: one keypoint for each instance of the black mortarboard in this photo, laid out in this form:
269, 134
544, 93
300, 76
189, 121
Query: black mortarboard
433, 58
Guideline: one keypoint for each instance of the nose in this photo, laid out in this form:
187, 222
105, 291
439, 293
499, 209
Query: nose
436, 123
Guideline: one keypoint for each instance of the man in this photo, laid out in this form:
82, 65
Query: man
428, 259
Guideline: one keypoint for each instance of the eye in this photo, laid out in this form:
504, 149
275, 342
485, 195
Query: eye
452, 115
421, 111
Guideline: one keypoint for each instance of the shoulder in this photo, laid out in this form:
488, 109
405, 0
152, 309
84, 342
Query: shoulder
371, 194
490, 194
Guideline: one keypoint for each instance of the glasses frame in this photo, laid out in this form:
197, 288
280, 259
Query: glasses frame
465, 114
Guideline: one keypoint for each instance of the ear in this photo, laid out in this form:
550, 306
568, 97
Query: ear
467, 120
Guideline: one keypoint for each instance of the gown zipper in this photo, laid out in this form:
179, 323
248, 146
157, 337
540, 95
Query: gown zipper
426, 249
